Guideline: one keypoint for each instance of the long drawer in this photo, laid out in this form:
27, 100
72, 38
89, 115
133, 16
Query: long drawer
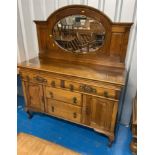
64, 95
64, 110
91, 89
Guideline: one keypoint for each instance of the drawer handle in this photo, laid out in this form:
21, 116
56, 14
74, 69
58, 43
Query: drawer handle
51, 94
74, 115
52, 109
74, 100
53, 83
87, 89
40, 79
71, 87
62, 84
105, 94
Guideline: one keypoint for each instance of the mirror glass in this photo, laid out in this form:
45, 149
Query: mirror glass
79, 34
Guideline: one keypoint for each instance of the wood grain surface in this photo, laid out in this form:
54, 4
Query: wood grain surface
31, 145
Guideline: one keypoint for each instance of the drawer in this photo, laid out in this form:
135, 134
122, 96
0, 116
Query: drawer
33, 77
37, 78
101, 91
64, 110
64, 95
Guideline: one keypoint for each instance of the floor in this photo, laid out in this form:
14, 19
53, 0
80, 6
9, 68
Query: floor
72, 136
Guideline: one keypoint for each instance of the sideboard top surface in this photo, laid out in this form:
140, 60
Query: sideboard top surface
97, 72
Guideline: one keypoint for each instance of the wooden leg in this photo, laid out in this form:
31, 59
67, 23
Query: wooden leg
29, 114
110, 135
111, 139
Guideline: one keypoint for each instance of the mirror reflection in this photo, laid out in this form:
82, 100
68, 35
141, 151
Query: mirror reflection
79, 34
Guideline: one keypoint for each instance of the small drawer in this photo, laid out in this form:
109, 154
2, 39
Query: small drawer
64, 95
54, 83
36, 78
100, 91
32, 77
66, 111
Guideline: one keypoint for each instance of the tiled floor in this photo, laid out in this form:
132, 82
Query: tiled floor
75, 137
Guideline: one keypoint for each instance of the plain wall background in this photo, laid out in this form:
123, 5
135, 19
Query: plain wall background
117, 10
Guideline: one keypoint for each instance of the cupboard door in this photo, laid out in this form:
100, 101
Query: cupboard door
103, 115
35, 98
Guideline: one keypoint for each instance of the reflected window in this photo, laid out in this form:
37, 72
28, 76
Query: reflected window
79, 34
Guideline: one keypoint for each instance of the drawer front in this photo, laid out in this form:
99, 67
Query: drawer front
100, 91
36, 78
64, 110
63, 95
33, 77
72, 86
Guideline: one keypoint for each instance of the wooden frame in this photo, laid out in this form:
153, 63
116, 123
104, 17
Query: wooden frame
116, 39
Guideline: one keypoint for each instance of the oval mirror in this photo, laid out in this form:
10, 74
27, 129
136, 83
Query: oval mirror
79, 34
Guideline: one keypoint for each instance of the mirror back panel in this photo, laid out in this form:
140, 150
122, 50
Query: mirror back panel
81, 33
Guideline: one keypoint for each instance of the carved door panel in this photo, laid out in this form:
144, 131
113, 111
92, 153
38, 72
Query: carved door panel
35, 98
99, 113
103, 114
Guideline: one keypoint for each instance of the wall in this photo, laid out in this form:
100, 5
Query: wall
117, 10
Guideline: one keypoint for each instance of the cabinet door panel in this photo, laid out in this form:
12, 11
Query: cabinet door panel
99, 113
35, 96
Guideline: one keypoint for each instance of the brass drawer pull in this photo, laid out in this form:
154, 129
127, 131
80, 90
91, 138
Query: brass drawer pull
40, 79
74, 115
53, 83
105, 94
62, 84
51, 94
52, 109
88, 89
74, 100
71, 87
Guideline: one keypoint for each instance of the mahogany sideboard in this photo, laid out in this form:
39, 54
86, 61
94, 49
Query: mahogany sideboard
78, 75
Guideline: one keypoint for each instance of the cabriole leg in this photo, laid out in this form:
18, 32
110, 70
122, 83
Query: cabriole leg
29, 114
111, 139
